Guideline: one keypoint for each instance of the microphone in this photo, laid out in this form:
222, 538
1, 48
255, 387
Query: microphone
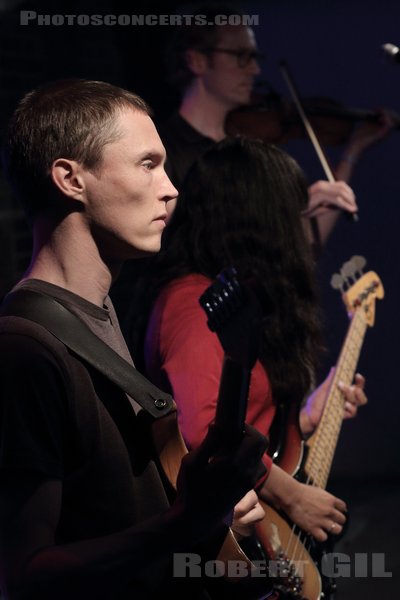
392, 52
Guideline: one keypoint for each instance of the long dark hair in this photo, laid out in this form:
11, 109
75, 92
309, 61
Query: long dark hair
241, 206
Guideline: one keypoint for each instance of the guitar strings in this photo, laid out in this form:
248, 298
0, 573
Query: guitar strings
334, 412
298, 537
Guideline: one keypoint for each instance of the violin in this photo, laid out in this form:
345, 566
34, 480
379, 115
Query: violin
273, 119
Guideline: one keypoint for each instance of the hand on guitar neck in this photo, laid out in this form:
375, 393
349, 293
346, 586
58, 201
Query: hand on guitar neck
354, 396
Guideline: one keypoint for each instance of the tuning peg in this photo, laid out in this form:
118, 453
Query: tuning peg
359, 263
348, 270
337, 282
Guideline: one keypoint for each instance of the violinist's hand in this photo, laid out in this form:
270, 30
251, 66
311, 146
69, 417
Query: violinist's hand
368, 133
354, 396
323, 196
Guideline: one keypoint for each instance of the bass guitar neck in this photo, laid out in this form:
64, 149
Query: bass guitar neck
294, 552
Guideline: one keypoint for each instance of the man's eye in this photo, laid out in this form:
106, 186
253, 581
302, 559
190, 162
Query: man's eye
148, 164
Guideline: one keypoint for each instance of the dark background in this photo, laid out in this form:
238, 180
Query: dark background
334, 50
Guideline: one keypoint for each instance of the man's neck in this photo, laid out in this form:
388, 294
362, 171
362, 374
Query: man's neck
66, 257
204, 113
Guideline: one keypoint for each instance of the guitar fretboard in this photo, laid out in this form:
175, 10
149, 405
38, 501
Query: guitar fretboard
325, 438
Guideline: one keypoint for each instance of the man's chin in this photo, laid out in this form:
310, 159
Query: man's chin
243, 99
130, 253
144, 252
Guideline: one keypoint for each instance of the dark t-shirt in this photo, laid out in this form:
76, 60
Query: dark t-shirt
55, 424
54, 420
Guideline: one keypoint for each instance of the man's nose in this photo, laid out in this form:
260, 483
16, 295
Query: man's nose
254, 67
169, 190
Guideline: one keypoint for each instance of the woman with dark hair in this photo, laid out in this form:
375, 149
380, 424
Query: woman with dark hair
241, 205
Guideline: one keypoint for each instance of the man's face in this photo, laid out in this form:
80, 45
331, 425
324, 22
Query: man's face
224, 78
126, 195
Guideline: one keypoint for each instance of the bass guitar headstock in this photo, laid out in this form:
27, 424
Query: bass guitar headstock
234, 314
359, 290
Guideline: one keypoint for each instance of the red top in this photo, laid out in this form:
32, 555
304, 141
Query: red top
182, 354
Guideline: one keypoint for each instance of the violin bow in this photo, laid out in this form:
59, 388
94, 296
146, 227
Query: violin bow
308, 127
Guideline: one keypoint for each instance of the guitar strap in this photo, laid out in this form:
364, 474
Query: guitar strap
75, 334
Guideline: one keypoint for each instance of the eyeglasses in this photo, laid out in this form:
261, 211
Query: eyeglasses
243, 57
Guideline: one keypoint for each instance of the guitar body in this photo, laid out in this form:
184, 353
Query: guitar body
295, 573
296, 557
222, 546
286, 444
170, 449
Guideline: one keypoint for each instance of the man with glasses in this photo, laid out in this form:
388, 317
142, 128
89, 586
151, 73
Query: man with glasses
215, 67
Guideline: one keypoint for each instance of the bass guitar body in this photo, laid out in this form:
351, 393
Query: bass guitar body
292, 555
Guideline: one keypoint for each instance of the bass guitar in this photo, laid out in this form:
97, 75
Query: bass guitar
234, 314
293, 554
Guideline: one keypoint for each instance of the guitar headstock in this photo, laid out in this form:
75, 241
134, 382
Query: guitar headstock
234, 314
359, 290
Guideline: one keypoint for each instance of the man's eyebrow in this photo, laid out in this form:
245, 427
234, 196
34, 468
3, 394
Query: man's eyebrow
152, 155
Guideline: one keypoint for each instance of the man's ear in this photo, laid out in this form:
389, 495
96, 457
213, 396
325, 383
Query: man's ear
196, 61
66, 175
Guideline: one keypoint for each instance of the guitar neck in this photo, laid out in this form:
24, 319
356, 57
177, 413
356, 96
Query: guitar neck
232, 401
323, 442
